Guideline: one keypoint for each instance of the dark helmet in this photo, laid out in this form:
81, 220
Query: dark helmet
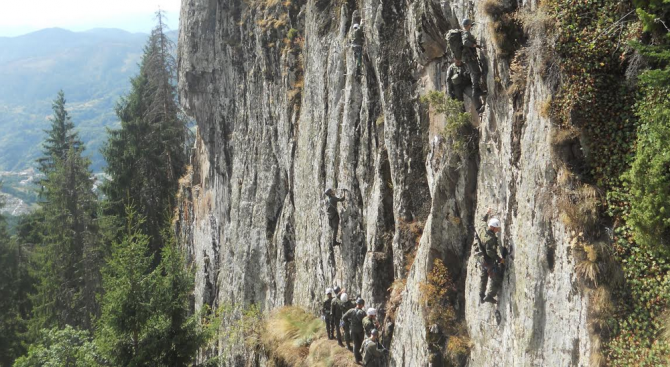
337, 290
374, 332
467, 22
360, 301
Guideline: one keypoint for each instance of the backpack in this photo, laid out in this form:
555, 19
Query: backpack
364, 347
455, 43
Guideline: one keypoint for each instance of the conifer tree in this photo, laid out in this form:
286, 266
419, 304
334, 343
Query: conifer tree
60, 138
146, 156
11, 323
145, 318
68, 260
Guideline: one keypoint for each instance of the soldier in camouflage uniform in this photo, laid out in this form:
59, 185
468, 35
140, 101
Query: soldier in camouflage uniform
373, 355
326, 312
333, 215
338, 308
491, 261
470, 47
458, 79
370, 321
354, 318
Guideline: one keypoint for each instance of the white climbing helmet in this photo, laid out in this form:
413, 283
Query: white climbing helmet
372, 312
344, 297
329, 290
494, 222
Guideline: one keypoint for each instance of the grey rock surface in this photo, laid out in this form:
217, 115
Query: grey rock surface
286, 108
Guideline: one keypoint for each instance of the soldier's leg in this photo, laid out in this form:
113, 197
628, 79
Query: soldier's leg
458, 92
483, 281
328, 326
496, 284
337, 330
334, 223
475, 76
358, 342
347, 336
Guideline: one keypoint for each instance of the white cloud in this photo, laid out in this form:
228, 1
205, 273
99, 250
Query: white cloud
75, 13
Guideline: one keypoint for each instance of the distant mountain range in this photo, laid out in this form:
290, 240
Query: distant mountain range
93, 68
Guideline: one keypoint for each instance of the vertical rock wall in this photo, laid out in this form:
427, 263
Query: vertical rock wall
285, 109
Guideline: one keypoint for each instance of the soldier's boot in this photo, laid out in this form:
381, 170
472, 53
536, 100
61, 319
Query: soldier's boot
490, 299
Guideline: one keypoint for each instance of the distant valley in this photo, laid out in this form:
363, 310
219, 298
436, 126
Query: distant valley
93, 68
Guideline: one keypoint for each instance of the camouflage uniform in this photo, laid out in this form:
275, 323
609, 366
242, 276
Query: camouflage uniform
490, 265
333, 215
458, 79
327, 316
357, 44
372, 354
368, 325
354, 318
470, 59
339, 308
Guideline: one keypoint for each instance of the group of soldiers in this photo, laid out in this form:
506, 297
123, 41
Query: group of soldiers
360, 327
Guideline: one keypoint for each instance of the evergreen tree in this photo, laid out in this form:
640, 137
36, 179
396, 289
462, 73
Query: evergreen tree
60, 138
145, 318
146, 156
69, 259
67, 347
11, 322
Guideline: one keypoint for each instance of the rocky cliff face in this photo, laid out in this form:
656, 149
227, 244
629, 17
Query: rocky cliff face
286, 108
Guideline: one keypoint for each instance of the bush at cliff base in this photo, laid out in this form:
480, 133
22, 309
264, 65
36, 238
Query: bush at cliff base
289, 332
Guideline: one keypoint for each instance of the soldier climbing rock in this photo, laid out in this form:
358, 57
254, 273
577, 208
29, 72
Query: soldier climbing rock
339, 308
458, 79
357, 44
326, 312
355, 318
470, 58
491, 261
370, 321
373, 352
333, 215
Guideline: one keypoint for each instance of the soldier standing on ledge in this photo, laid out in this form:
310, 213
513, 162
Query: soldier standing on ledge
326, 312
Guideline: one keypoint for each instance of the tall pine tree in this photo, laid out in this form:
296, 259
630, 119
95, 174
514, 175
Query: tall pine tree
68, 261
147, 156
145, 319
60, 138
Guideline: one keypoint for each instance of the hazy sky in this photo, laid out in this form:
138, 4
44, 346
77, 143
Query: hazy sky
22, 16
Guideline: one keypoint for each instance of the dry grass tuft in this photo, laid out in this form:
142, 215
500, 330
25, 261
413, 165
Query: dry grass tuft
560, 136
544, 107
504, 27
395, 299
289, 333
665, 334
588, 271
518, 72
434, 297
326, 353
579, 208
